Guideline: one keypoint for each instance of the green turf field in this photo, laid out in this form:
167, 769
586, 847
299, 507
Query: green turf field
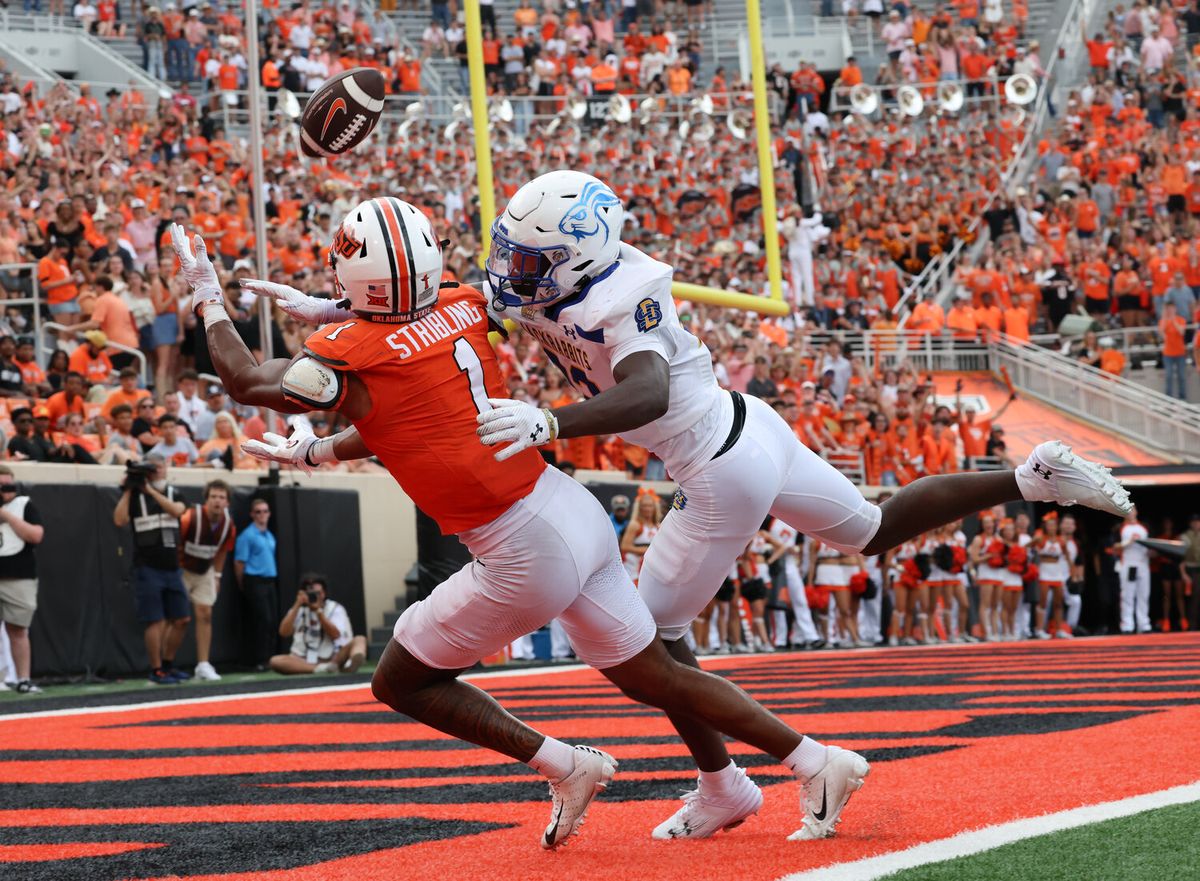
1161, 845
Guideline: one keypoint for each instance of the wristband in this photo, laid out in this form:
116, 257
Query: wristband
213, 312
551, 422
321, 451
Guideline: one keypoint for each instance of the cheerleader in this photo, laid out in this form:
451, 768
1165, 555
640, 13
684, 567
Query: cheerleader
641, 529
906, 578
1073, 596
1054, 570
987, 555
831, 572
1015, 561
755, 585
947, 555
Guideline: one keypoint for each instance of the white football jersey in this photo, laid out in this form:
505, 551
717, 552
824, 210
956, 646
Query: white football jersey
626, 309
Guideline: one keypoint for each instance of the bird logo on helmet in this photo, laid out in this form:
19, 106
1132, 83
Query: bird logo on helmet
386, 261
558, 232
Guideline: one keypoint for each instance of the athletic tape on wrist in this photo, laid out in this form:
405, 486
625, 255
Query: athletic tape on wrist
321, 451
213, 313
551, 422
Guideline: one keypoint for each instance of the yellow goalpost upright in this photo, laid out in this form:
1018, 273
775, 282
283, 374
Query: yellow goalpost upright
771, 305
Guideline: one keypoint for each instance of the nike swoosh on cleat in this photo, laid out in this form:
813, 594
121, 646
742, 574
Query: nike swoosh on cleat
819, 816
552, 832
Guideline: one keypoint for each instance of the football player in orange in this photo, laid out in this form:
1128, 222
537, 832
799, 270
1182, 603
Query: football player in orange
412, 369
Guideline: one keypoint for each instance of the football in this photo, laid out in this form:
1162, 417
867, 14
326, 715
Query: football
342, 112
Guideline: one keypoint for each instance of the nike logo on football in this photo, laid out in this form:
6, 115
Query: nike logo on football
338, 104
819, 816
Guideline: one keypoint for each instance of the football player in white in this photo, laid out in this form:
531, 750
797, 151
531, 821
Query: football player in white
604, 314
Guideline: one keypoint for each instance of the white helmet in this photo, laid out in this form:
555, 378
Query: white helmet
558, 231
387, 261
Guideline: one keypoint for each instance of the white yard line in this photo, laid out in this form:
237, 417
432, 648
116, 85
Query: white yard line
317, 689
967, 843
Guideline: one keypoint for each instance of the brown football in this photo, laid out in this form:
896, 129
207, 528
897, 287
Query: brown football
341, 113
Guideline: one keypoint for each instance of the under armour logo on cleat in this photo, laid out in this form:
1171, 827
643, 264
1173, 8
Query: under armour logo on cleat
1039, 468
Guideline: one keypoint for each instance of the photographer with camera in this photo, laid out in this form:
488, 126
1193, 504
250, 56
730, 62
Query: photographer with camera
162, 601
322, 641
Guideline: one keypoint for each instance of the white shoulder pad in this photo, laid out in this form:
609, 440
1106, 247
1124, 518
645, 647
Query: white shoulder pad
310, 382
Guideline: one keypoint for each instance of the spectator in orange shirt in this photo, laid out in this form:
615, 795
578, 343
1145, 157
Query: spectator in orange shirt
126, 392
1174, 351
112, 316
961, 319
69, 400
1111, 361
36, 385
927, 316
851, 74
59, 284
1017, 320
90, 360
937, 447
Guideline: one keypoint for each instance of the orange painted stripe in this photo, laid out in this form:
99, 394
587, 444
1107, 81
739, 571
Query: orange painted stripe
403, 267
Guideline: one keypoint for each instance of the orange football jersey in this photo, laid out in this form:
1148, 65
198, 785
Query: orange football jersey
428, 380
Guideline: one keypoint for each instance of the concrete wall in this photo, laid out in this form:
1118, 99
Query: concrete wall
388, 536
75, 56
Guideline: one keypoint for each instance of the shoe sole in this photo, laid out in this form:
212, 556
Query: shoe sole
607, 770
860, 771
1100, 476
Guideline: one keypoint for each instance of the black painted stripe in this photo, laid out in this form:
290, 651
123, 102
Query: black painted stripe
408, 253
391, 252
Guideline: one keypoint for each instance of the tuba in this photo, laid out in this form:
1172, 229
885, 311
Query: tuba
950, 97
699, 122
619, 109
412, 116
459, 113
864, 100
910, 100
500, 110
1020, 89
738, 123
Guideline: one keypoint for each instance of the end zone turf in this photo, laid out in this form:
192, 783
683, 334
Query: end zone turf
329, 785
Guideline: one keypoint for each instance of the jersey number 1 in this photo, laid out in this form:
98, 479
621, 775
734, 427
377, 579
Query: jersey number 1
468, 362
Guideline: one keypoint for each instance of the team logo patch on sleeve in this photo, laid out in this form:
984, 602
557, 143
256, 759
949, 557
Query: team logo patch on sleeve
679, 502
648, 315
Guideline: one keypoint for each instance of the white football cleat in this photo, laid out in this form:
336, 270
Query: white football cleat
1052, 473
825, 794
571, 796
704, 815
206, 671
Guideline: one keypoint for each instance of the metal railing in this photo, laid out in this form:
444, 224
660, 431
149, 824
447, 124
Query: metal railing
137, 353
925, 352
1137, 344
937, 274
13, 275
1141, 414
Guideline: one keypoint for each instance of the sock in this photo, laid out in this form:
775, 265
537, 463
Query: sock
721, 782
806, 759
554, 759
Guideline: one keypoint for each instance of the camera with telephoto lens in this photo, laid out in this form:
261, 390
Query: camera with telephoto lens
314, 596
137, 474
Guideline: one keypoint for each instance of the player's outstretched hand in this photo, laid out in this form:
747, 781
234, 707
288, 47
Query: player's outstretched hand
284, 450
197, 269
299, 305
516, 423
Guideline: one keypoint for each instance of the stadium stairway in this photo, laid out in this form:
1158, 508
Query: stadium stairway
379, 637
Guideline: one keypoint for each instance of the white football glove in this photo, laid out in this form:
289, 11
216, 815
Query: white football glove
299, 305
197, 269
517, 424
284, 450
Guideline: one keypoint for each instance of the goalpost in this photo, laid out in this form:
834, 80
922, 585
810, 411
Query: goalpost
772, 305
